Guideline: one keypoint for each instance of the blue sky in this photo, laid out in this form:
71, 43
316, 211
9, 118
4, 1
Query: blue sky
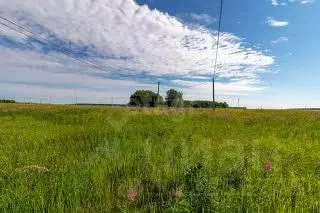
295, 74
269, 54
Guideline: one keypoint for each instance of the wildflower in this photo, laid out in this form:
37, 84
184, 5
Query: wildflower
177, 194
268, 165
133, 195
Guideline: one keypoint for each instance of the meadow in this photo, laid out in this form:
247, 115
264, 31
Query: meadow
56, 158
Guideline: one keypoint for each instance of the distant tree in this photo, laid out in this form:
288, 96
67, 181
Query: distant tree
222, 105
7, 101
145, 98
174, 98
205, 104
187, 104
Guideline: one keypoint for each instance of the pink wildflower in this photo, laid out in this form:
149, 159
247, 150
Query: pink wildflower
268, 165
133, 195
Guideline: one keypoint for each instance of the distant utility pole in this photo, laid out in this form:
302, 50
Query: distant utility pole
158, 92
217, 53
238, 102
213, 95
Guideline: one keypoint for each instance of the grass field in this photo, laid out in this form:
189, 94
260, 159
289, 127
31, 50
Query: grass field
102, 159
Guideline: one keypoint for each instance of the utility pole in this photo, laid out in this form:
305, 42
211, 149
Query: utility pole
216, 58
213, 95
158, 92
238, 102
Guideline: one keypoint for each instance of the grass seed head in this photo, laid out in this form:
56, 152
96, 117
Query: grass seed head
34, 168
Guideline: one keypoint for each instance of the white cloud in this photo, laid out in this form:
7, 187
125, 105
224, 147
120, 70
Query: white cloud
233, 88
301, 1
43, 76
305, 1
152, 41
281, 39
285, 2
203, 18
275, 23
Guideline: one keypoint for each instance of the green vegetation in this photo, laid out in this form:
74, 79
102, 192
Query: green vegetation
7, 101
174, 98
99, 159
145, 98
205, 104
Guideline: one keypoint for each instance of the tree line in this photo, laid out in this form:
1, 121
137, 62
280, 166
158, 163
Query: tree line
7, 101
174, 98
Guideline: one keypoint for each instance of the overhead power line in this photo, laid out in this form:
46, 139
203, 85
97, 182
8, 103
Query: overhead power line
71, 53
66, 51
218, 40
215, 61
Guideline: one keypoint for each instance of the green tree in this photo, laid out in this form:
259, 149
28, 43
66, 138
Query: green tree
205, 104
174, 98
145, 98
7, 101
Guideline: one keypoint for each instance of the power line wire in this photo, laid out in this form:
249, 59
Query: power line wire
215, 65
217, 51
70, 53
218, 41
66, 51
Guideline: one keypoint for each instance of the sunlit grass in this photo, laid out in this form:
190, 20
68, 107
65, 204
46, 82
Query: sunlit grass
98, 159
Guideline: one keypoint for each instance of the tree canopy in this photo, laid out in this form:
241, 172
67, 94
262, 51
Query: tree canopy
145, 98
205, 104
174, 98
7, 101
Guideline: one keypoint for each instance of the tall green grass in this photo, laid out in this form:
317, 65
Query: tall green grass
91, 159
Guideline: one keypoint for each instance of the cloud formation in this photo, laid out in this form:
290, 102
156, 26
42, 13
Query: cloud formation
276, 23
275, 2
280, 39
129, 38
231, 88
285, 2
203, 18
36, 76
